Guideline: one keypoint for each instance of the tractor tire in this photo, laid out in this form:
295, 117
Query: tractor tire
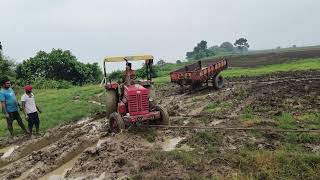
111, 102
152, 95
116, 123
164, 119
218, 82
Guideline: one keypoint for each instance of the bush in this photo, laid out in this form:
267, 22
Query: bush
42, 83
59, 65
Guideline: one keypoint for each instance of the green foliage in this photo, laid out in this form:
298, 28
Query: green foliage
242, 44
58, 65
6, 66
115, 75
42, 83
202, 51
142, 73
161, 62
227, 46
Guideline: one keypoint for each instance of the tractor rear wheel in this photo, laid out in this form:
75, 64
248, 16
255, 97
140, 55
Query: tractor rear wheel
116, 122
164, 119
218, 82
111, 102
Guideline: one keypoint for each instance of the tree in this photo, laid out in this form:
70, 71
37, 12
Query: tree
161, 62
199, 51
242, 44
142, 72
227, 46
115, 75
178, 62
6, 66
202, 45
58, 65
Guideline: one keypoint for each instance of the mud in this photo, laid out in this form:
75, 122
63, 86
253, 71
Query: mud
85, 150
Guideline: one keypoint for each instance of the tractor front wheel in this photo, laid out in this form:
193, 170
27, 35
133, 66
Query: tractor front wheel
164, 119
116, 122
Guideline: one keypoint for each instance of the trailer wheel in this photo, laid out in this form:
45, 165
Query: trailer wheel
111, 102
164, 120
218, 82
116, 123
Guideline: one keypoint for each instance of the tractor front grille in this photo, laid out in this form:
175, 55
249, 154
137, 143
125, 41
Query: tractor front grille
138, 103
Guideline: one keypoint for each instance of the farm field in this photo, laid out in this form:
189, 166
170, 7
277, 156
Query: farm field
279, 97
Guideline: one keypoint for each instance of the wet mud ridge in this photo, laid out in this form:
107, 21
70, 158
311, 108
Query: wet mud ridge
85, 150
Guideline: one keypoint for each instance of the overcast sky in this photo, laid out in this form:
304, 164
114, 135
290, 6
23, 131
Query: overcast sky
92, 29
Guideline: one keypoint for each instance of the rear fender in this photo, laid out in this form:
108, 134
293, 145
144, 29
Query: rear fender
112, 86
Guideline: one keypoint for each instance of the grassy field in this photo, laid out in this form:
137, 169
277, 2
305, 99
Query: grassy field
60, 106
305, 64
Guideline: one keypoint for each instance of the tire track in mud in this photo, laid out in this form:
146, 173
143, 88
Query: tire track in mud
50, 137
24, 150
52, 153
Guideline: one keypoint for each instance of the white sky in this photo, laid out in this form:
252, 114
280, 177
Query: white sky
167, 29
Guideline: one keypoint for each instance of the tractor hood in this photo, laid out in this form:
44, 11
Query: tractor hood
138, 99
135, 90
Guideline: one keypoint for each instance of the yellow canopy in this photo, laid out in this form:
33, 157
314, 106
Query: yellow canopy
128, 58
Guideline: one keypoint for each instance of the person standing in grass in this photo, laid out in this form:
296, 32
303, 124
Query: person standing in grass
30, 109
9, 105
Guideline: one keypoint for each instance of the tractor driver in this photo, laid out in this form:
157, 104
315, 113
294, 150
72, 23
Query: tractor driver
129, 73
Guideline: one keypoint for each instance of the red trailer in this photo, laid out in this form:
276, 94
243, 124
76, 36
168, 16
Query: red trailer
199, 73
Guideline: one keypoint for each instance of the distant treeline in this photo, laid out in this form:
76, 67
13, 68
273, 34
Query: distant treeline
201, 50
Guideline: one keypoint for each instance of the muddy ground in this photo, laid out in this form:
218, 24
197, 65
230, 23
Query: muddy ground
85, 149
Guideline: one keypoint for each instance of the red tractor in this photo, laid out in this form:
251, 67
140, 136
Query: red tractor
129, 100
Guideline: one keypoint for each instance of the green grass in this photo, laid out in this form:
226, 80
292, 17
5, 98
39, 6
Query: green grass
262, 164
214, 107
60, 106
247, 114
306, 64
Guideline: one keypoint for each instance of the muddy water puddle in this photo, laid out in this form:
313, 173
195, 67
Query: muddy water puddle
7, 151
59, 173
170, 144
84, 120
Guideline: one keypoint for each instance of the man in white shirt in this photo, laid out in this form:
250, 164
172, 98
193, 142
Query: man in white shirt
30, 109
